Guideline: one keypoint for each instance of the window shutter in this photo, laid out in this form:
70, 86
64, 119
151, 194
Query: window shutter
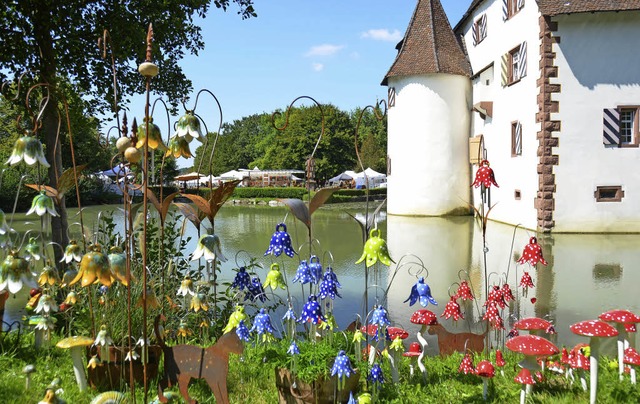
474, 32
518, 148
505, 10
522, 62
504, 65
483, 27
520, 4
611, 127
391, 100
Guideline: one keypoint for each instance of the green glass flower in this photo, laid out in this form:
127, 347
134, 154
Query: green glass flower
274, 278
4, 227
235, 318
375, 249
155, 137
32, 249
29, 149
209, 247
49, 275
178, 147
15, 273
47, 304
41, 204
94, 267
188, 126
199, 302
118, 265
73, 252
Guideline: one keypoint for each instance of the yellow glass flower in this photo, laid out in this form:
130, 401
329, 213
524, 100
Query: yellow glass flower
49, 275
199, 302
155, 137
15, 273
358, 337
93, 362
73, 252
186, 287
234, 319
329, 324
397, 345
183, 330
178, 147
71, 298
152, 300
118, 265
94, 267
188, 126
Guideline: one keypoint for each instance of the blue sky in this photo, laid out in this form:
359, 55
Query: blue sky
336, 51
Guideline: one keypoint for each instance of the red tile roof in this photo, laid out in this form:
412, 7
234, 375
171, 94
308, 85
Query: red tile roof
429, 45
555, 7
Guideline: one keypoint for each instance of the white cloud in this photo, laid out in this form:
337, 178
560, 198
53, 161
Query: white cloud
317, 66
324, 50
382, 34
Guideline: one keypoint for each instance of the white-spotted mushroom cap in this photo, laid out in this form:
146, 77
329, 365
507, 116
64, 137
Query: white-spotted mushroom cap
594, 328
485, 369
524, 377
532, 324
619, 316
532, 345
397, 332
424, 317
631, 357
579, 361
415, 349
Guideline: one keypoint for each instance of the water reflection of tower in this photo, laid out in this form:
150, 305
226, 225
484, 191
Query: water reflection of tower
545, 305
443, 245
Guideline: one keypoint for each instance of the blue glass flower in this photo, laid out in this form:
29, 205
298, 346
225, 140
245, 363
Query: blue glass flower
255, 290
342, 366
380, 317
352, 400
375, 375
315, 268
329, 285
289, 315
242, 331
293, 349
280, 241
311, 311
242, 279
422, 292
303, 274
262, 323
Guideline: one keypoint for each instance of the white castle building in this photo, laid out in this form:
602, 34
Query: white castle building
547, 91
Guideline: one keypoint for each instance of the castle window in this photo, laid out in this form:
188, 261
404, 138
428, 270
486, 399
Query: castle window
479, 29
621, 126
511, 8
609, 194
514, 65
516, 139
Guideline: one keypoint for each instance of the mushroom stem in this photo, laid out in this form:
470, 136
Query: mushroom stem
595, 353
78, 367
622, 341
630, 342
423, 343
485, 387
27, 382
523, 394
372, 354
583, 379
411, 368
394, 370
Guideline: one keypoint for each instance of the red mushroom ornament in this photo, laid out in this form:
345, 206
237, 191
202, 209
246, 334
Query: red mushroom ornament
532, 347
525, 379
485, 176
414, 351
632, 357
425, 318
620, 318
500, 361
486, 371
596, 330
532, 253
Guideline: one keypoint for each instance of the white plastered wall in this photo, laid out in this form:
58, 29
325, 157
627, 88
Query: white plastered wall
428, 145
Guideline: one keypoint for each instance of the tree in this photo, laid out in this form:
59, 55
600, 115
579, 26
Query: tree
54, 39
372, 138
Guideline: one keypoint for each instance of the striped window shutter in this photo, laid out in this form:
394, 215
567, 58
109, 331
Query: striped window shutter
518, 143
505, 10
474, 33
504, 65
391, 93
483, 27
611, 127
522, 62
520, 4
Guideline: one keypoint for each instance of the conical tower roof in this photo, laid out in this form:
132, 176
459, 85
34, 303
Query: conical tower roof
429, 45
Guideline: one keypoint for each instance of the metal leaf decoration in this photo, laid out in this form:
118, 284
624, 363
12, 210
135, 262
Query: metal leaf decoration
66, 181
370, 220
162, 208
300, 210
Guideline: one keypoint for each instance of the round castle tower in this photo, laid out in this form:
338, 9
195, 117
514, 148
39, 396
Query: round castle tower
428, 119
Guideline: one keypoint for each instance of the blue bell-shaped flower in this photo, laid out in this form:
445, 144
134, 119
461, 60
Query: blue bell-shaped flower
315, 268
242, 331
329, 285
380, 317
280, 242
421, 292
255, 290
311, 311
303, 274
242, 279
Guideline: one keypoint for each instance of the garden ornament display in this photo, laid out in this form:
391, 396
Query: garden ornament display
426, 319
596, 330
421, 292
209, 247
526, 282
117, 264
110, 397
396, 335
631, 357
376, 376
199, 302
532, 347
188, 127
414, 351
242, 279
500, 361
495, 295
280, 242
255, 291
185, 362
342, 369
449, 342
484, 176
311, 311
303, 274
375, 249
452, 309
235, 318
178, 147
534, 325
485, 371
466, 366
29, 149
464, 291
76, 346
243, 331
524, 378
315, 268
262, 325
290, 319
94, 267
186, 287
532, 253
155, 137
32, 249
42, 204
329, 285
492, 315
48, 276
620, 318
507, 294
274, 278
380, 316
50, 397
15, 273
27, 371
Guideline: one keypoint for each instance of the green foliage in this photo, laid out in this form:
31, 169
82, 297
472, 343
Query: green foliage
250, 192
372, 138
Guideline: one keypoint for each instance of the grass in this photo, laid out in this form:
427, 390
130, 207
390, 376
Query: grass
251, 380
